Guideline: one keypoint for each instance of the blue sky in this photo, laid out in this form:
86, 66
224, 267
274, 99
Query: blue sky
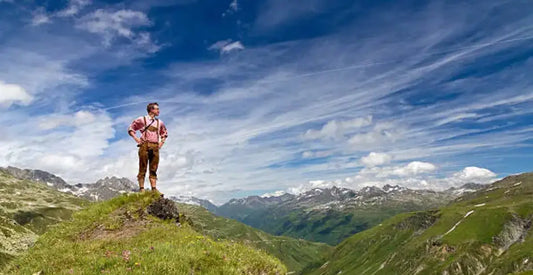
261, 96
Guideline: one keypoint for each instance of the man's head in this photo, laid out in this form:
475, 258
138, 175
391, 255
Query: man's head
153, 108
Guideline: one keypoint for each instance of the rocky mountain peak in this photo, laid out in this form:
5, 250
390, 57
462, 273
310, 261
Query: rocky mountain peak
371, 191
117, 183
392, 188
194, 201
35, 175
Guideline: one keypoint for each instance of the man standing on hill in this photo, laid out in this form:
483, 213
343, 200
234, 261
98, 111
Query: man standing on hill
153, 136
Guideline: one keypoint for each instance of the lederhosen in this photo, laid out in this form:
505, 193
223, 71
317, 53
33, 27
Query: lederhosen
149, 154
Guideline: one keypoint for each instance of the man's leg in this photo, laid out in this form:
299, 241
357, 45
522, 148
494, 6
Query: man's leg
154, 163
143, 163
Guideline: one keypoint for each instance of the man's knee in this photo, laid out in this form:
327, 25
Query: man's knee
153, 175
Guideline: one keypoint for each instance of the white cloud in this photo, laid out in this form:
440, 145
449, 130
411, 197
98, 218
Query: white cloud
375, 159
474, 174
274, 194
278, 12
75, 152
414, 168
226, 46
38, 73
382, 133
454, 118
316, 154
119, 24
335, 129
13, 94
411, 169
78, 119
40, 17
234, 5
73, 8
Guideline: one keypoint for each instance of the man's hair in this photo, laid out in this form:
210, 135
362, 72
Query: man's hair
150, 106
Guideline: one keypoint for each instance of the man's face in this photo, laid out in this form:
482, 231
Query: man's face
155, 110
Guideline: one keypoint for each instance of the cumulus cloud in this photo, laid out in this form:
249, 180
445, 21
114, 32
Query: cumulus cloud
414, 168
313, 184
375, 159
335, 129
13, 94
112, 25
226, 46
274, 194
474, 174
411, 169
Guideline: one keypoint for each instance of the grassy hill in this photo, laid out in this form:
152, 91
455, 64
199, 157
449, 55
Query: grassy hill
28, 209
119, 237
487, 232
297, 254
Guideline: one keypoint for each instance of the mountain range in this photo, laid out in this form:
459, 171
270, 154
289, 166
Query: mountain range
103, 189
332, 214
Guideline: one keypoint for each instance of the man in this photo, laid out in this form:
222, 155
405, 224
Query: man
153, 136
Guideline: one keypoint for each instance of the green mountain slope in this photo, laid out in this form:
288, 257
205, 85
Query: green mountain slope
486, 232
28, 209
119, 237
297, 254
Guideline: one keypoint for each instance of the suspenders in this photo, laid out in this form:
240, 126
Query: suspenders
146, 127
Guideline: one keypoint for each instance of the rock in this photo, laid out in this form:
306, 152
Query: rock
515, 230
164, 209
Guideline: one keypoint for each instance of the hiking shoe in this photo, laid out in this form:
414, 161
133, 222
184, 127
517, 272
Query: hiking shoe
141, 190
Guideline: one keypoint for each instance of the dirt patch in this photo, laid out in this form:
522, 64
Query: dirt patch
128, 230
126, 225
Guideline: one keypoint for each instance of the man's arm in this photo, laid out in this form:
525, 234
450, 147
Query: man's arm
132, 134
163, 133
134, 127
